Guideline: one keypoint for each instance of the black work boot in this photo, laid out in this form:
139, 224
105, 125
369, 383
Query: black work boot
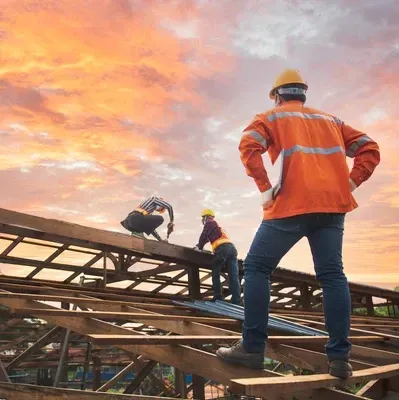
237, 355
340, 369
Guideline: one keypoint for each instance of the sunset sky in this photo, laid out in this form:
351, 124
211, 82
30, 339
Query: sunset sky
106, 102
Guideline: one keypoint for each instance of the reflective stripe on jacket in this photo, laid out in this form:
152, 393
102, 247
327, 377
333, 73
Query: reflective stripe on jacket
214, 234
314, 146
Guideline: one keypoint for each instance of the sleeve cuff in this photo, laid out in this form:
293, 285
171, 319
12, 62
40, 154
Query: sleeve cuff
357, 177
263, 186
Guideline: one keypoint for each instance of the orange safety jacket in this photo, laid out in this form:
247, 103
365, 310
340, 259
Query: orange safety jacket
214, 234
313, 145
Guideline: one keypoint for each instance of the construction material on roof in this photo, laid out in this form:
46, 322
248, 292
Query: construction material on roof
226, 309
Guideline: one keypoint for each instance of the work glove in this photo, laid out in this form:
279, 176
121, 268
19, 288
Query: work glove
352, 185
267, 199
196, 248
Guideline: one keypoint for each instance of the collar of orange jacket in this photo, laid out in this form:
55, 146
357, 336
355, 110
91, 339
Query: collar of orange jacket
291, 102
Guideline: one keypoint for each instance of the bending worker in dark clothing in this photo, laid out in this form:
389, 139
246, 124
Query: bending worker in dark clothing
225, 253
142, 221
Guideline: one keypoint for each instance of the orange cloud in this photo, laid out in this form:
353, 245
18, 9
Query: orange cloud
95, 85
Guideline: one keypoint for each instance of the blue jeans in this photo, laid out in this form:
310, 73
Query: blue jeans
226, 254
272, 241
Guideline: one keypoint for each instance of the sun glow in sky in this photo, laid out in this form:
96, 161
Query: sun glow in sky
106, 102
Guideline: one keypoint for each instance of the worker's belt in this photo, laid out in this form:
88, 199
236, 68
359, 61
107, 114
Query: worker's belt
219, 242
141, 211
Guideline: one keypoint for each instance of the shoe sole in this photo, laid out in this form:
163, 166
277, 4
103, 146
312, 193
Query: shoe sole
244, 363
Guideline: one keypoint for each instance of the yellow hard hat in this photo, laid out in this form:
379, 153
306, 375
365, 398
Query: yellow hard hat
286, 77
207, 212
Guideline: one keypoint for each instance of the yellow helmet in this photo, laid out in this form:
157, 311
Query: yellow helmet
286, 77
207, 212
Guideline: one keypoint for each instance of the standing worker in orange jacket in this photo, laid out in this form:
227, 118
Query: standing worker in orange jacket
310, 200
224, 254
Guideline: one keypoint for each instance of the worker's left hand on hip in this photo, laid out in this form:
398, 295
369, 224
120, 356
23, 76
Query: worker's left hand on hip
352, 185
267, 198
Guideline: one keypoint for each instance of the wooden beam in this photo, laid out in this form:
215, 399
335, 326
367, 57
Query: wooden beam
306, 359
96, 373
164, 251
354, 330
189, 359
124, 316
375, 389
13, 391
61, 267
202, 339
91, 262
141, 375
12, 245
365, 354
48, 260
86, 366
43, 341
3, 374
180, 383
161, 269
89, 302
262, 387
122, 373
178, 326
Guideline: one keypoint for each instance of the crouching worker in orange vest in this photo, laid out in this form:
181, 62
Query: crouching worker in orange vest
225, 254
311, 201
142, 221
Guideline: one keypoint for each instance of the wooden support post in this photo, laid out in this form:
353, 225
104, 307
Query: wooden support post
194, 283
198, 387
305, 297
117, 377
3, 374
375, 389
96, 373
141, 375
105, 270
62, 369
369, 305
86, 365
195, 292
180, 383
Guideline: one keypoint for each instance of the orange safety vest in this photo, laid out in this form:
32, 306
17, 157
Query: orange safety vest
313, 146
221, 240
141, 211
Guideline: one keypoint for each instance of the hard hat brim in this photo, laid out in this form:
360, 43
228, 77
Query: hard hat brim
272, 93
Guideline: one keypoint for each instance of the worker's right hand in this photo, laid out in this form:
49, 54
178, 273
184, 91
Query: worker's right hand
267, 198
171, 226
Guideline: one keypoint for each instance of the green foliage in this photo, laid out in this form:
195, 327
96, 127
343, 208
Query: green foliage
381, 311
